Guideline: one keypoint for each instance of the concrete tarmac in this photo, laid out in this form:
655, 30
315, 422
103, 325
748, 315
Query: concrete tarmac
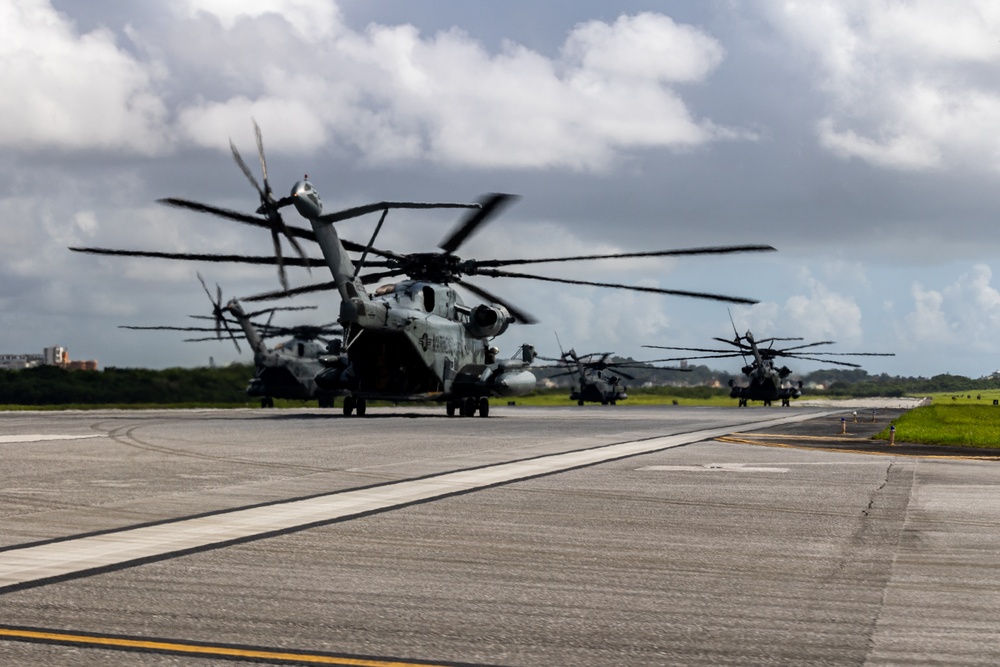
754, 548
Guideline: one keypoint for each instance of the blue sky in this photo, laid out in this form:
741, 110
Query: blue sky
857, 137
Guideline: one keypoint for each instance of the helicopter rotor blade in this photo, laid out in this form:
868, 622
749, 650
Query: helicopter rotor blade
263, 162
295, 291
635, 288
825, 361
737, 343
258, 313
730, 355
686, 349
714, 250
364, 254
196, 257
488, 208
245, 218
358, 211
164, 328
854, 354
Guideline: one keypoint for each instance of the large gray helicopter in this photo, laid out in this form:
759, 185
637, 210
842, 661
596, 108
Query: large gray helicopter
597, 376
767, 380
288, 369
413, 339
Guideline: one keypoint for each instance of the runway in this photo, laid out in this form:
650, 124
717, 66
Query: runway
538, 536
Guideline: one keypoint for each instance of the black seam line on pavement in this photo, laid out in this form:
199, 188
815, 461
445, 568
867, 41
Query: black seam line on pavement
177, 553
138, 644
374, 485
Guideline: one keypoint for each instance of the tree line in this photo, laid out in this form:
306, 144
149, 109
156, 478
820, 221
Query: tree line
51, 385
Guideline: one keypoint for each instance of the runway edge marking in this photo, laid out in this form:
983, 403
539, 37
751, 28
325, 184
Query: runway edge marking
47, 563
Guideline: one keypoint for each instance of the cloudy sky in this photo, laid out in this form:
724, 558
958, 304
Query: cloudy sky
859, 137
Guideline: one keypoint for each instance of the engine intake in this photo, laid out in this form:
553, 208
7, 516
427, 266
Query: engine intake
488, 321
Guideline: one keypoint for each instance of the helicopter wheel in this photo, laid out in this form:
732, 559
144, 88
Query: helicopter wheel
767, 404
267, 402
450, 408
743, 402
580, 402
786, 403
614, 403
469, 406
484, 407
362, 407
348, 406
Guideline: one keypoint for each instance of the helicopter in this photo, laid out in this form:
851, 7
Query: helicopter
767, 381
414, 339
597, 378
286, 370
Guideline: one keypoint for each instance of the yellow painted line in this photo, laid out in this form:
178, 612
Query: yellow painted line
200, 650
888, 452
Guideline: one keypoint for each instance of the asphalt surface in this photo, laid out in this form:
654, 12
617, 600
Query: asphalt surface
776, 544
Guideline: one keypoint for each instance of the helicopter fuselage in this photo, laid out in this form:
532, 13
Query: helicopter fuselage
598, 390
766, 384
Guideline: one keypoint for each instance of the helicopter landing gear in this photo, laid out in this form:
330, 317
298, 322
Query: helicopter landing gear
267, 402
743, 402
351, 404
767, 404
786, 402
580, 402
450, 408
484, 407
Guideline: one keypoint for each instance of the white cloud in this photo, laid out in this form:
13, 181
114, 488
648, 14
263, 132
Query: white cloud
822, 314
389, 92
69, 90
313, 19
395, 94
965, 313
643, 46
910, 85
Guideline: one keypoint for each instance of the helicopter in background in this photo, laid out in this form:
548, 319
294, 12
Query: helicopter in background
597, 378
413, 339
767, 380
288, 369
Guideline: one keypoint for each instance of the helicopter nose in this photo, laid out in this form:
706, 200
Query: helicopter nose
306, 199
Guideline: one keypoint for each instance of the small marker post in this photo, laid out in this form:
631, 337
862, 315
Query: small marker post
892, 436
873, 416
843, 424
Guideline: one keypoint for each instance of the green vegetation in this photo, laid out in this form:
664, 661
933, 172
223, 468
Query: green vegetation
968, 397
645, 396
962, 425
126, 387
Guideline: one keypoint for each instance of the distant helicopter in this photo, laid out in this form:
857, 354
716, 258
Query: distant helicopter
767, 382
413, 340
597, 378
287, 370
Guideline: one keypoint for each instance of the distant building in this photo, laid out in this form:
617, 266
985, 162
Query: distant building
56, 356
16, 362
51, 356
